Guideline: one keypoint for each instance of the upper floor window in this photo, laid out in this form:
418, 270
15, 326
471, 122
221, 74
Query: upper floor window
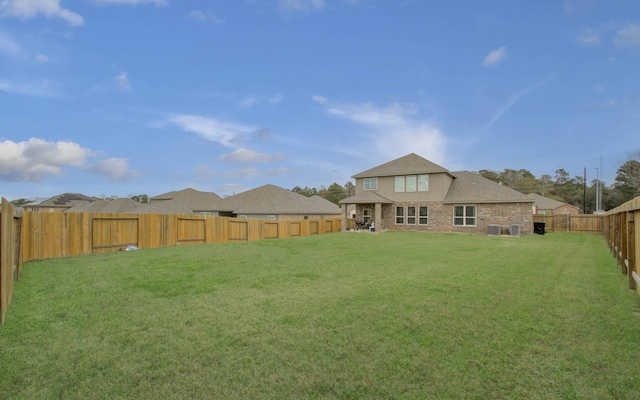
370, 183
412, 183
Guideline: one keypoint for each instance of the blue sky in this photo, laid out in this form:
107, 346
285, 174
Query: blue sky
123, 97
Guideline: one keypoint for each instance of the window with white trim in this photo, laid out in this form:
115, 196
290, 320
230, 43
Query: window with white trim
412, 183
411, 215
370, 183
464, 215
423, 218
399, 215
205, 213
271, 217
242, 216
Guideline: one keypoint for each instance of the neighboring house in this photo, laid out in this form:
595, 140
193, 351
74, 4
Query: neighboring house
547, 206
275, 203
121, 205
187, 201
412, 193
59, 203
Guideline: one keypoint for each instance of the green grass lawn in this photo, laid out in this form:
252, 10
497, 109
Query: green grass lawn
347, 315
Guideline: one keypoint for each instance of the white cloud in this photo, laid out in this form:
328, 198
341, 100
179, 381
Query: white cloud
41, 59
133, 2
114, 169
36, 89
514, 99
26, 9
304, 6
319, 99
35, 158
276, 98
200, 15
395, 130
122, 80
248, 102
495, 57
628, 36
249, 156
587, 37
8, 46
204, 173
225, 133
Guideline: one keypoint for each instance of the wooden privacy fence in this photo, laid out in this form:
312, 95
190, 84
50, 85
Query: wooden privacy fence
576, 223
623, 237
55, 234
10, 254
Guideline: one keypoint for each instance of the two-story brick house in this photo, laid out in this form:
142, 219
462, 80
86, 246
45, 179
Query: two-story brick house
412, 193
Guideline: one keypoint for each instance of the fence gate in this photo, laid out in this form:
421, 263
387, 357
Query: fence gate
562, 223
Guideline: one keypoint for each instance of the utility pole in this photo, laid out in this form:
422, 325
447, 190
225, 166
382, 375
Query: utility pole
584, 192
597, 190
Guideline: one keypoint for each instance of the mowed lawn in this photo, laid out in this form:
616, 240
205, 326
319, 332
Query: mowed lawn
344, 315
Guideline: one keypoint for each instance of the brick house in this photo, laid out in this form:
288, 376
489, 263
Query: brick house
414, 194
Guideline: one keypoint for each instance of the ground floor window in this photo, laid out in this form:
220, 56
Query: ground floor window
411, 215
424, 216
366, 215
464, 215
399, 215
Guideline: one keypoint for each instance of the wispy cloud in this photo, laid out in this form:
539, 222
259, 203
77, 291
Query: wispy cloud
394, 130
587, 37
319, 99
133, 2
514, 99
122, 80
249, 157
627, 36
36, 89
8, 46
32, 160
26, 9
41, 59
304, 6
226, 133
495, 57
205, 16
113, 169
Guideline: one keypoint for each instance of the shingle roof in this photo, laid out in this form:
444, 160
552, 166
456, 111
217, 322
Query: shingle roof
64, 200
366, 197
545, 203
271, 199
122, 205
185, 201
470, 187
409, 164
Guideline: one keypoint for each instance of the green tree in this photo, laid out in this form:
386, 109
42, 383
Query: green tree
335, 193
350, 189
628, 177
141, 198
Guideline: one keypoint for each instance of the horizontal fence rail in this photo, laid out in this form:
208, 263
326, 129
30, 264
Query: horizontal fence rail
56, 234
576, 223
623, 238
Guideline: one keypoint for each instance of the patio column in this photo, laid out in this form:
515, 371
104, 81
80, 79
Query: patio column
343, 222
378, 217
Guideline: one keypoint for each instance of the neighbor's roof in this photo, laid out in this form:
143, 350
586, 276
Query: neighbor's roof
185, 201
122, 205
407, 165
545, 203
271, 199
470, 187
366, 197
63, 200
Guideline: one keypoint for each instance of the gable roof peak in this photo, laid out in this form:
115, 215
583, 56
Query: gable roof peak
409, 164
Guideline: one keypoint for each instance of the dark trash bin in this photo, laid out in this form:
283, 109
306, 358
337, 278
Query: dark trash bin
538, 228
